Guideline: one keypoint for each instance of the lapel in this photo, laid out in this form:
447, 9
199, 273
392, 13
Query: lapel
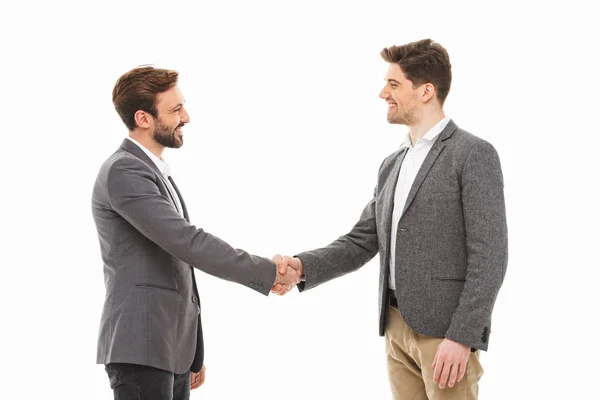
387, 196
134, 149
185, 213
433, 154
187, 218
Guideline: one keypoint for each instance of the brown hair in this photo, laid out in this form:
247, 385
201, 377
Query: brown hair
424, 61
137, 89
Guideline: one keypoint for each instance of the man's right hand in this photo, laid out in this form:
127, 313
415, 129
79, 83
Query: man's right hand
286, 265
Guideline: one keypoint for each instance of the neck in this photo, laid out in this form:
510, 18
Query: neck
146, 141
428, 121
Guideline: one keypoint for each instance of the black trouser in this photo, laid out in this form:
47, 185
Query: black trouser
139, 382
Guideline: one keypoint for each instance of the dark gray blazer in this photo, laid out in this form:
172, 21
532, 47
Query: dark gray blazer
151, 312
451, 248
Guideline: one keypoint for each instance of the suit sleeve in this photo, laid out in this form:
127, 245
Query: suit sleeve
486, 244
133, 193
347, 254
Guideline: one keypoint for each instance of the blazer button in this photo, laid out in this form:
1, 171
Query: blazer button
260, 287
194, 299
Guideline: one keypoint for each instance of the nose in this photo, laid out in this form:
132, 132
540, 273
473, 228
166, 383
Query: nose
185, 117
383, 94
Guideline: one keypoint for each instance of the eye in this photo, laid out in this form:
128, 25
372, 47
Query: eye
393, 85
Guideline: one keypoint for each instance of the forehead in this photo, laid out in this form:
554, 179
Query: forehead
395, 72
170, 98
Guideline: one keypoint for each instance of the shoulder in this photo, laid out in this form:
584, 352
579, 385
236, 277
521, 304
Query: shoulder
465, 143
123, 165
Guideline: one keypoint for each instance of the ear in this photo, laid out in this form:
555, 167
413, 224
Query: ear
143, 119
428, 92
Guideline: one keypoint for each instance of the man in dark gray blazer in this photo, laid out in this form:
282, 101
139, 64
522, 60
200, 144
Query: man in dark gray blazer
437, 220
150, 335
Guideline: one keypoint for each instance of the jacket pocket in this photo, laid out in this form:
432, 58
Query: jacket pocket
154, 286
442, 278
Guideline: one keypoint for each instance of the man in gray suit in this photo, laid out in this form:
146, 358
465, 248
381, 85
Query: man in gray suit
150, 335
437, 219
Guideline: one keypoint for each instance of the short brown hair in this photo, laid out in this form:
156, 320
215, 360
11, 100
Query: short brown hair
137, 89
424, 61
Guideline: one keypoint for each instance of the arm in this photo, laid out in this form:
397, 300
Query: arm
133, 193
346, 254
486, 243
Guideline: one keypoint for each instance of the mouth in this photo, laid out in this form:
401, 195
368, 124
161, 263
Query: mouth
179, 129
391, 106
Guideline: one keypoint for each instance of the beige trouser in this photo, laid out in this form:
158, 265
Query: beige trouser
409, 359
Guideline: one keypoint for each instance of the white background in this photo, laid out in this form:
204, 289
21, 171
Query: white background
282, 153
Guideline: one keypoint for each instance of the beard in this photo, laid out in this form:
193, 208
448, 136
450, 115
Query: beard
166, 136
403, 118
408, 115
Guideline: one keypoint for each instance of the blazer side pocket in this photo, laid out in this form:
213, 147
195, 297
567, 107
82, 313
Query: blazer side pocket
154, 286
441, 278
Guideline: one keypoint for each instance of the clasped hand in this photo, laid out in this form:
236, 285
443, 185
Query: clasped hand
289, 271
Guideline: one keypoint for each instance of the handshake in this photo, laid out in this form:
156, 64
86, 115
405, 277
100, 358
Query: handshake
289, 273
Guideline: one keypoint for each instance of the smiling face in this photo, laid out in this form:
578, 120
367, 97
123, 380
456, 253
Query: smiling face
172, 116
401, 96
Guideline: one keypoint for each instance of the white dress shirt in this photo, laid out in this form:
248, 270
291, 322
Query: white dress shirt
415, 155
163, 167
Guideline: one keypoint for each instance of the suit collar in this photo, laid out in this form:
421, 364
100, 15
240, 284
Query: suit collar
448, 131
134, 149
160, 163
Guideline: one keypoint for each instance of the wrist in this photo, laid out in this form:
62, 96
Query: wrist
300, 269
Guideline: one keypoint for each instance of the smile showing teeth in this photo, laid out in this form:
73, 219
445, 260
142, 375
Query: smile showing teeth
390, 105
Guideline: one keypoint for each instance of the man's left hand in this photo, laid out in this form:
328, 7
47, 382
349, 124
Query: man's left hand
450, 363
197, 379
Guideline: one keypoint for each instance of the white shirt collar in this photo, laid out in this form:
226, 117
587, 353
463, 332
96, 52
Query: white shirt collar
431, 134
162, 166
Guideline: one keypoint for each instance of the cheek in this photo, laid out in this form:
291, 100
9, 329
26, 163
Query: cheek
173, 122
403, 100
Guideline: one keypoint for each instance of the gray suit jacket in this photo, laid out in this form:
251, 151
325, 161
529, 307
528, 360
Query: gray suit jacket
451, 248
151, 312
